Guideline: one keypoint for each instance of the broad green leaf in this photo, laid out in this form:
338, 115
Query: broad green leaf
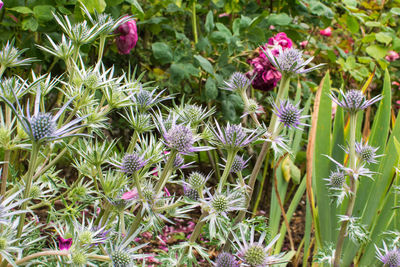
92, 5
352, 24
30, 24
368, 38
383, 37
205, 64
376, 51
43, 12
395, 10
222, 28
209, 22
211, 89
281, 19
319, 9
21, 9
162, 52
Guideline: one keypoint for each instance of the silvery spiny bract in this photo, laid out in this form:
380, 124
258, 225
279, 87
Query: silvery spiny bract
289, 114
238, 82
353, 100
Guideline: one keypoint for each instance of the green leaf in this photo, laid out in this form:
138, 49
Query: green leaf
352, 24
218, 37
376, 51
92, 5
30, 24
383, 37
373, 24
162, 52
43, 12
319, 9
209, 22
21, 9
205, 64
395, 10
369, 38
211, 89
222, 28
281, 19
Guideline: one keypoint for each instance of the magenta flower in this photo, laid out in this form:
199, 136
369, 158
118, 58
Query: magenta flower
266, 76
303, 44
1, 4
128, 37
326, 32
280, 39
64, 244
130, 194
392, 56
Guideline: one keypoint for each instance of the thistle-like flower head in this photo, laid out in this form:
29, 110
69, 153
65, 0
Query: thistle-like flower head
353, 100
225, 259
191, 193
10, 56
389, 258
145, 99
132, 163
336, 179
238, 164
234, 137
180, 138
255, 254
289, 114
290, 61
366, 152
238, 82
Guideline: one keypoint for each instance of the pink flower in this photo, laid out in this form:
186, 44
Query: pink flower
64, 244
280, 39
392, 56
167, 192
223, 15
128, 37
396, 84
398, 103
1, 4
130, 194
326, 32
303, 44
266, 76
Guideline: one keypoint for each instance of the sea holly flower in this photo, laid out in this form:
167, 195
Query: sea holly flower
193, 114
42, 127
131, 163
290, 61
359, 171
366, 152
11, 57
64, 244
63, 50
390, 258
336, 179
144, 99
238, 164
238, 82
225, 259
191, 193
255, 254
289, 114
234, 137
353, 100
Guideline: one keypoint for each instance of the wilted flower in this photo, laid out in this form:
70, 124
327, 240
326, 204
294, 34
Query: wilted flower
390, 258
279, 40
289, 114
238, 82
128, 37
255, 254
64, 244
354, 100
225, 259
326, 32
265, 75
290, 61
392, 56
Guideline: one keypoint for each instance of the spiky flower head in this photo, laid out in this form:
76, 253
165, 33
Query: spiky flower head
255, 254
366, 152
42, 125
191, 193
290, 61
389, 258
353, 100
225, 259
289, 114
11, 57
336, 179
220, 203
78, 258
234, 137
193, 114
180, 138
238, 82
197, 180
132, 163
120, 258
145, 99
238, 164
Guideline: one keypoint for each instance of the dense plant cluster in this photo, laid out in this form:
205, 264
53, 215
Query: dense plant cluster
251, 116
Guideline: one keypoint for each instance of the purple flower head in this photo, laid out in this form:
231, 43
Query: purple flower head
289, 114
238, 164
132, 163
354, 100
180, 138
389, 258
336, 180
234, 137
64, 244
225, 259
128, 37
366, 152
238, 82
42, 125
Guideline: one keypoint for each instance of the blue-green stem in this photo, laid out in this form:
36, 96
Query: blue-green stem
194, 21
138, 185
102, 41
228, 166
353, 189
7, 155
28, 184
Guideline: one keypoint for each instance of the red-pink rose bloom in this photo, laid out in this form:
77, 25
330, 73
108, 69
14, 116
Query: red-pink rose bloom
303, 44
326, 32
128, 37
1, 4
392, 56
280, 39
